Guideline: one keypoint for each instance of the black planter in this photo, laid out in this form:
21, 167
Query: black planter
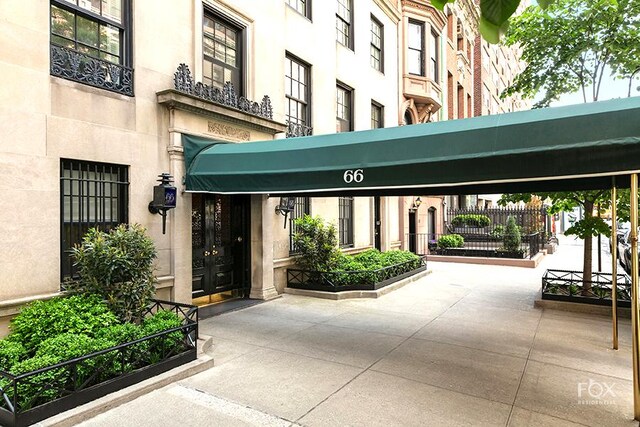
67, 391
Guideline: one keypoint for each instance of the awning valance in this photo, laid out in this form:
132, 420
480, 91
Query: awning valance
573, 147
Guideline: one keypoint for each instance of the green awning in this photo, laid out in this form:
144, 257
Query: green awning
573, 147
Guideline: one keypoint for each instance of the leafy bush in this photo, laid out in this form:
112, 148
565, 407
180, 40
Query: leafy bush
450, 241
10, 353
471, 220
317, 243
512, 239
367, 265
39, 388
497, 232
118, 266
40, 320
157, 347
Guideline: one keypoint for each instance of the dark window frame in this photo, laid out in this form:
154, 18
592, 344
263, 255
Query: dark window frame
301, 4
434, 56
85, 177
375, 23
301, 208
240, 32
421, 50
289, 80
343, 22
348, 92
377, 107
345, 222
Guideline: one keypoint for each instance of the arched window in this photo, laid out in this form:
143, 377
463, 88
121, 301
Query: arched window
407, 119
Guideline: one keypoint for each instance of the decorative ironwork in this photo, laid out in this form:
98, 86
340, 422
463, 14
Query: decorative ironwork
334, 281
298, 129
567, 285
185, 82
86, 378
73, 65
475, 245
530, 220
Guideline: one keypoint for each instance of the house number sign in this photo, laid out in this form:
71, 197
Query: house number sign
351, 175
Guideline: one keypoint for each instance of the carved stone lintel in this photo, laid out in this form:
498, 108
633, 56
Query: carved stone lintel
228, 132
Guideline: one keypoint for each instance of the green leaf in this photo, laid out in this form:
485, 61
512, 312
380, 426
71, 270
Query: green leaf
498, 12
439, 4
544, 3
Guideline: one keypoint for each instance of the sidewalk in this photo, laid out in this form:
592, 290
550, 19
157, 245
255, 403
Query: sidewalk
462, 346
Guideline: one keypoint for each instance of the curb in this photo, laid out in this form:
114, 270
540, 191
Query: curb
89, 410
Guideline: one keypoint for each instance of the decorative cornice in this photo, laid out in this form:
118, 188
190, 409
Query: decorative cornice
436, 16
390, 8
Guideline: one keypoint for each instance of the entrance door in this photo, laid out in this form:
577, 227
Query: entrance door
412, 231
219, 244
377, 222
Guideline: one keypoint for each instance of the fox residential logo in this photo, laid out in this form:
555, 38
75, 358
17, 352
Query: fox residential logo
596, 393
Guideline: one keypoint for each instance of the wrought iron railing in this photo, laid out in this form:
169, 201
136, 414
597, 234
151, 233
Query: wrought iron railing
475, 245
530, 220
334, 281
297, 129
567, 285
39, 394
73, 65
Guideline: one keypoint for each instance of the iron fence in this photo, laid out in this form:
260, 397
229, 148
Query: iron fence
475, 245
334, 281
466, 221
567, 285
33, 396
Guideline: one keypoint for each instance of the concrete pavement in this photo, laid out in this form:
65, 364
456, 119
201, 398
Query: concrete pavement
462, 346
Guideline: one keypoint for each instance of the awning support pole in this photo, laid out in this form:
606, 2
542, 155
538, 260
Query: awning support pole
634, 295
614, 264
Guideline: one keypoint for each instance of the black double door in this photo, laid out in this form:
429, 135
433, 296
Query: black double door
219, 231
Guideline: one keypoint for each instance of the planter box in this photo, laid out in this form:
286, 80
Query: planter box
488, 253
137, 361
566, 285
358, 280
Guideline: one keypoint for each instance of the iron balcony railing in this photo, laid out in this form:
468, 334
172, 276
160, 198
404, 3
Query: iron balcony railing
73, 65
297, 129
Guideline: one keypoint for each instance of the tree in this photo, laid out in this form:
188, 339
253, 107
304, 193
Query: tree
572, 44
494, 15
586, 228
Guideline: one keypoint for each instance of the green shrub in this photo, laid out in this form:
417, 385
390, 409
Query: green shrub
512, 239
40, 320
118, 266
159, 346
471, 220
450, 241
497, 232
317, 243
39, 388
367, 265
10, 353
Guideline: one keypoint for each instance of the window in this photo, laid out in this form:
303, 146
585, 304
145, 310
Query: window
343, 110
344, 30
434, 57
222, 52
377, 118
301, 208
91, 43
297, 92
92, 195
345, 221
303, 7
377, 39
416, 48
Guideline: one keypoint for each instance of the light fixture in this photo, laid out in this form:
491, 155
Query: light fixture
416, 204
164, 198
285, 207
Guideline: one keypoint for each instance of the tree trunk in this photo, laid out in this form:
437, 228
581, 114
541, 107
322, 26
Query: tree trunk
587, 267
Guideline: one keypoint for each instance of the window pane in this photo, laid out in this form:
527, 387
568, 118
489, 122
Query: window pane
415, 62
110, 39
415, 36
112, 9
207, 26
231, 57
62, 22
219, 51
208, 47
90, 5
220, 32
63, 42
87, 32
231, 38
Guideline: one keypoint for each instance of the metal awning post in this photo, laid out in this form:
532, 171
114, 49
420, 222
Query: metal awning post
634, 295
614, 264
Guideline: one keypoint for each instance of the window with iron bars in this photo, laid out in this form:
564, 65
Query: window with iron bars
345, 221
301, 208
91, 195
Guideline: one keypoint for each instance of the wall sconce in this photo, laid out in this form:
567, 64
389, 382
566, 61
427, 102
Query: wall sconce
164, 198
285, 207
416, 204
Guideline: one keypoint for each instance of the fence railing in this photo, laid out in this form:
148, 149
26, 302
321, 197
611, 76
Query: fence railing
466, 221
33, 396
476, 245
567, 285
334, 281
